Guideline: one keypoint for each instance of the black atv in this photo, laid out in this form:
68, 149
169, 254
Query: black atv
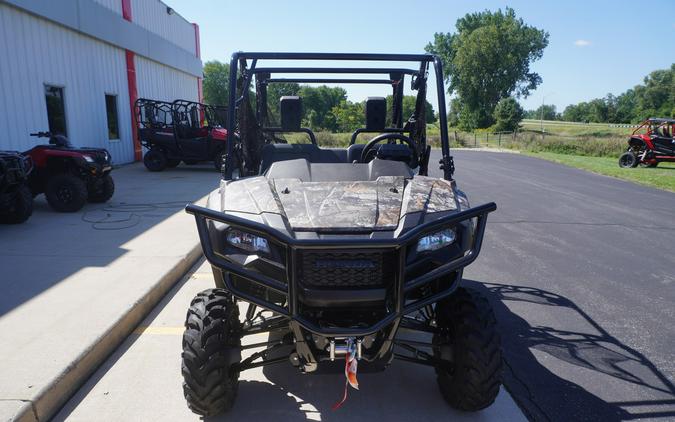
69, 176
180, 131
16, 201
346, 255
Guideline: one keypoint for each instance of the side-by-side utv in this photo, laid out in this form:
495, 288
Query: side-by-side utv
346, 255
651, 143
180, 131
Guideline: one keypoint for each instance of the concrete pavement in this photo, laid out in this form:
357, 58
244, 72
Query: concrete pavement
74, 285
142, 381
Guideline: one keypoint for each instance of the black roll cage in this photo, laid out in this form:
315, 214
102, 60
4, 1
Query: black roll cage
237, 96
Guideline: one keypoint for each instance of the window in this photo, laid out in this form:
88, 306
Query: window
56, 110
111, 112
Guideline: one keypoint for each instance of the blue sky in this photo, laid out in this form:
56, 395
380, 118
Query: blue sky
595, 47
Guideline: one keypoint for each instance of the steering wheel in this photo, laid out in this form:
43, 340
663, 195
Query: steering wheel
388, 136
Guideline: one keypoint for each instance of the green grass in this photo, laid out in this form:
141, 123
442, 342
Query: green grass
662, 177
575, 129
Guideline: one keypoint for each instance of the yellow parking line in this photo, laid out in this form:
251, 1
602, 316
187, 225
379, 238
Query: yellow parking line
159, 331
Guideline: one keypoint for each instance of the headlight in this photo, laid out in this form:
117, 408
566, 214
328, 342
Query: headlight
436, 240
88, 159
247, 241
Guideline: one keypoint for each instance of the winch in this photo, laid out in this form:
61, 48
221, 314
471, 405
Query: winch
340, 346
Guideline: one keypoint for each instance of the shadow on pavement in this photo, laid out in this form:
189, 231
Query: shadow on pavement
547, 396
51, 246
274, 404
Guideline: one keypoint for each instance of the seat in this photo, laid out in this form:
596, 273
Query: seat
290, 111
306, 171
376, 116
354, 152
272, 153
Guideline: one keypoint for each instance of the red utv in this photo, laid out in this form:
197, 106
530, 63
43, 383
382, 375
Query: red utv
650, 144
180, 131
69, 176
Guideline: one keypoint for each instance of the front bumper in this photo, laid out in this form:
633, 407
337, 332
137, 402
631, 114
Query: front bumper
402, 287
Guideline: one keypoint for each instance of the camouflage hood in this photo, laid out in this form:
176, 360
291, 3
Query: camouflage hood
341, 205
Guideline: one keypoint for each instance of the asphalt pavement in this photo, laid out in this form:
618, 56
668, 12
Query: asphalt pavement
579, 268
581, 271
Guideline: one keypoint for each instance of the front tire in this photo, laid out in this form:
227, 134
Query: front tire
628, 160
20, 206
102, 189
155, 160
469, 348
66, 193
211, 352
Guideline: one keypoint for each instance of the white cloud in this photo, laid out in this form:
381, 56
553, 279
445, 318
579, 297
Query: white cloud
582, 43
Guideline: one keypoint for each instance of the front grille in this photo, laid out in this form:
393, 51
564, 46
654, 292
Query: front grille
346, 268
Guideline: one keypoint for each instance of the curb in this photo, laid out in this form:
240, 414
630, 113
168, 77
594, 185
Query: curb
52, 397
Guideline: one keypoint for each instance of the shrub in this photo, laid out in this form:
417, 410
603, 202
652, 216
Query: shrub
508, 114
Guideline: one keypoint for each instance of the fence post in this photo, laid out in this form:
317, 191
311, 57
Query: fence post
474, 140
499, 140
456, 140
487, 139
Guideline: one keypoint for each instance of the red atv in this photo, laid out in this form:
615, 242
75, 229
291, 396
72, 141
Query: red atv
650, 144
69, 176
16, 201
180, 131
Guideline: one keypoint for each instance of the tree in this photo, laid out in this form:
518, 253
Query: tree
349, 116
408, 104
548, 111
453, 113
508, 114
274, 93
318, 103
216, 82
488, 59
656, 98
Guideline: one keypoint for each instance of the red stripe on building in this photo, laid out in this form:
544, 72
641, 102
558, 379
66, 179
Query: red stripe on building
133, 96
198, 53
198, 49
126, 10
133, 89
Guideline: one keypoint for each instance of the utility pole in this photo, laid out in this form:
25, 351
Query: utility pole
541, 115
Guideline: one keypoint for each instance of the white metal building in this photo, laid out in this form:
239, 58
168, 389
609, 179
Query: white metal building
76, 66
